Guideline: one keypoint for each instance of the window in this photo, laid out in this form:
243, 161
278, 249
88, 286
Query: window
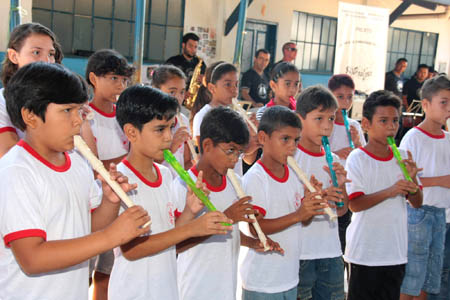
416, 46
315, 37
84, 26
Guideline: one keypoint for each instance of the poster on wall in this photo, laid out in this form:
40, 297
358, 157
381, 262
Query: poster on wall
361, 45
208, 43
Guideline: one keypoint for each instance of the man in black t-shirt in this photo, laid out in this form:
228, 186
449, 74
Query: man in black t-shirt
394, 81
412, 87
187, 60
255, 83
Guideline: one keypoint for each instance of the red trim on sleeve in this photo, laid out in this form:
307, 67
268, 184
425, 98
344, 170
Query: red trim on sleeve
339, 123
176, 213
8, 129
433, 136
215, 189
282, 179
260, 210
10, 237
105, 114
421, 187
93, 209
316, 154
155, 184
355, 195
62, 168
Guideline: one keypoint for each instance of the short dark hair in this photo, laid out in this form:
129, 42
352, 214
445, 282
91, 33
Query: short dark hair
107, 61
223, 125
314, 97
379, 98
190, 36
282, 68
277, 117
164, 73
433, 86
336, 81
36, 85
261, 51
421, 66
138, 105
402, 59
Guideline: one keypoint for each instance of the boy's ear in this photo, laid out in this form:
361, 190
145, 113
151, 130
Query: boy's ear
93, 78
425, 104
12, 55
365, 124
207, 145
262, 137
131, 132
30, 119
300, 117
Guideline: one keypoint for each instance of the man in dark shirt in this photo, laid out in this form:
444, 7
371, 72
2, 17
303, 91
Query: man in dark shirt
413, 85
255, 83
188, 60
289, 54
394, 80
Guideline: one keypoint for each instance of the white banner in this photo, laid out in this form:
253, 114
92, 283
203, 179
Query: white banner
361, 45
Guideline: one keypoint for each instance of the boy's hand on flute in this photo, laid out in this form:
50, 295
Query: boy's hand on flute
334, 195
121, 179
341, 174
343, 153
311, 206
240, 210
411, 166
210, 224
258, 246
193, 204
403, 187
128, 225
180, 136
355, 136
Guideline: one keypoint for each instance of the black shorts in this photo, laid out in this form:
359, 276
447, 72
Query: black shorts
375, 283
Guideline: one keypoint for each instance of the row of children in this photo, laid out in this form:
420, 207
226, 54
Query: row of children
295, 219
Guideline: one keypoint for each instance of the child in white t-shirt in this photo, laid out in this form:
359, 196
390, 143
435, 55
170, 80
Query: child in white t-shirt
279, 195
208, 267
29, 42
172, 81
321, 265
47, 192
430, 145
145, 268
377, 237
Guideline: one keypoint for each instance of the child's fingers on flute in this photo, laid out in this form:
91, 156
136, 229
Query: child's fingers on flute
129, 225
211, 223
200, 184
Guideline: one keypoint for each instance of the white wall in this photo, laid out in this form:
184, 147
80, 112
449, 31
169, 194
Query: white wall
4, 19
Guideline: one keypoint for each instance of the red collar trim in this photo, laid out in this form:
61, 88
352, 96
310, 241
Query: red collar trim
316, 154
282, 179
214, 189
62, 168
441, 136
292, 103
107, 115
339, 123
391, 155
155, 184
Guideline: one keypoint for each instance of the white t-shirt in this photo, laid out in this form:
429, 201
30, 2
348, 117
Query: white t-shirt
151, 277
5, 121
179, 154
272, 272
209, 270
377, 236
339, 138
39, 199
432, 153
110, 138
320, 239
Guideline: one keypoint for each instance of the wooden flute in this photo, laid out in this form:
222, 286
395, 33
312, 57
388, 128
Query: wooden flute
237, 107
98, 166
302, 176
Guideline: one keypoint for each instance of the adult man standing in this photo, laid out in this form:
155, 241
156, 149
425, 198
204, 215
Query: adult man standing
255, 83
394, 80
188, 60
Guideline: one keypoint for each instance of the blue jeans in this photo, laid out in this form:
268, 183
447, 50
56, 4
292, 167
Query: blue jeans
287, 295
445, 283
321, 279
426, 235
